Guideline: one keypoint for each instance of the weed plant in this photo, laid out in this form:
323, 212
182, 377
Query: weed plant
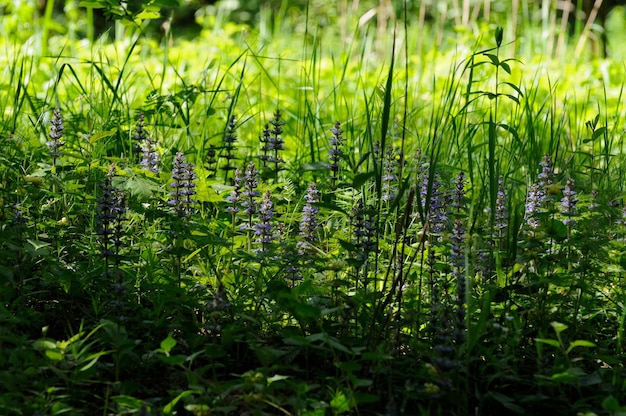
272, 227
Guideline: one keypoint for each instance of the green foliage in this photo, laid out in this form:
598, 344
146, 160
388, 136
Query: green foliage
305, 217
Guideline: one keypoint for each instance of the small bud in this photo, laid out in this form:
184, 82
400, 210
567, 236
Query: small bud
499, 32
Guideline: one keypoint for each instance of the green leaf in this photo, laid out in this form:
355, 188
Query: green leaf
498, 35
552, 342
512, 98
93, 4
276, 377
314, 166
558, 327
579, 343
102, 135
507, 402
330, 207
376, 356
94, 359
169, 408
128, 402
334, 343
340, 403
140, 188
361, 178
304, 311
494, 59
611, 404
366, 398
148, 15
54, 355
44, 344
564, 377
506, 67
168, 343
598, 133
178, 360
38, 245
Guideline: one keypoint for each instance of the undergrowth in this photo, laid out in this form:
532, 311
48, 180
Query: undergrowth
312, 235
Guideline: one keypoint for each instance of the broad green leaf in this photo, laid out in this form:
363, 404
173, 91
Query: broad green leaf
612, 404
168, 343
303, 311
44, 344
173, 359
54, 355
137, 186
334, 343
